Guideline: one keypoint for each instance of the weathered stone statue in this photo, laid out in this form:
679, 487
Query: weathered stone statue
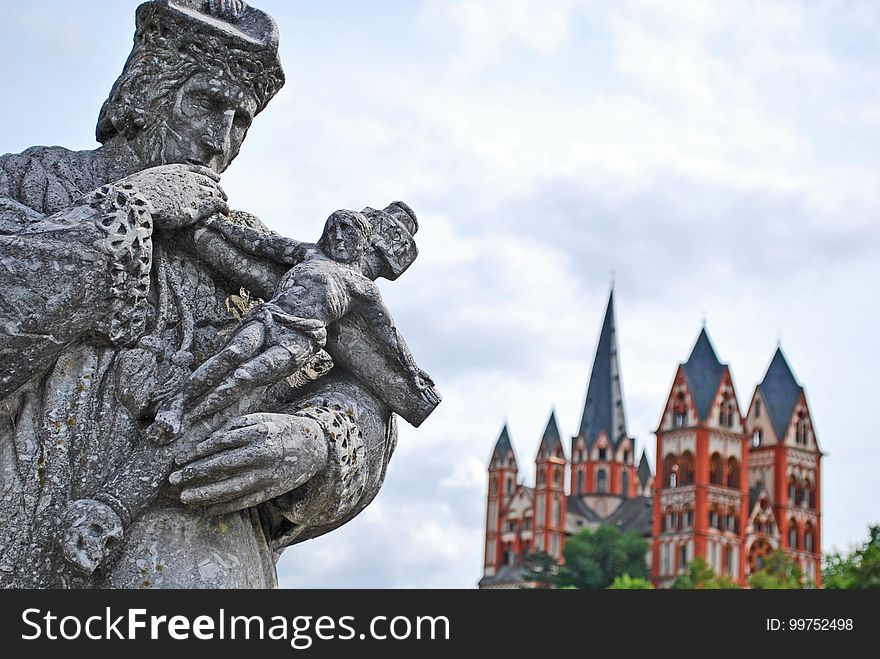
134, 343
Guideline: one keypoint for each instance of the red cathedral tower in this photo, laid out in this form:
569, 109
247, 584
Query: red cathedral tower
603, 454
701, 494
730, 487
784, 473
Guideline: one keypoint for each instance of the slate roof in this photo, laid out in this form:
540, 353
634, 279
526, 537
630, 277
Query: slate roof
780, 391
603, 408
644, 470
703, 371
754, 495
633, 514
575, 505
503, 445
505, 575
551, 438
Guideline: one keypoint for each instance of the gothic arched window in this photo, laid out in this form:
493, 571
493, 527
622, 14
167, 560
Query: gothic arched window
670, 471
731, 524
726, 413
716, 470
580, 481
601, 481
687, 468
679, 411
624, 483
757, 437
801, 429
733, 473
808, 537
807, 493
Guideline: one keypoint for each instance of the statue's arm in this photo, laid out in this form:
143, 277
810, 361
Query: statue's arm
361, 435
380, 322
257, 240
83, 271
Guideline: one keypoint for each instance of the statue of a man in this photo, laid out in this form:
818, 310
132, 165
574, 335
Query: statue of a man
117, 271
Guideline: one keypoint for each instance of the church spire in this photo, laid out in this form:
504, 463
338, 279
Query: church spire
703, 371
780, 391
551, 440
603, 409
503, 447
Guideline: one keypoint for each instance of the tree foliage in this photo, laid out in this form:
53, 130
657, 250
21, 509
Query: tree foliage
700, 576
859, 569
539, 568
780, 572
626, 582
594, 559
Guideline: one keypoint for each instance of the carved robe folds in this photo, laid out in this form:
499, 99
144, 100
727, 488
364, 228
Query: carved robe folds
78, 292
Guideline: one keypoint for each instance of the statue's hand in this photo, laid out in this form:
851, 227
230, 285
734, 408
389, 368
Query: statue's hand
251, 460
180, 195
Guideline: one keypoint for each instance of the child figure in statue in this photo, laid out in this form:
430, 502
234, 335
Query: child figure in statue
280, 339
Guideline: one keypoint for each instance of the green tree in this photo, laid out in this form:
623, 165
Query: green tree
780, 573
626, 582
539, 568
700, 576
859, 569
593, 559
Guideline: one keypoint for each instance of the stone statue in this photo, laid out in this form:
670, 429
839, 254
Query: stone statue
134, 343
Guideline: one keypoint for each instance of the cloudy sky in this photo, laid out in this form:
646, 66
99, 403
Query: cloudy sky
720, 158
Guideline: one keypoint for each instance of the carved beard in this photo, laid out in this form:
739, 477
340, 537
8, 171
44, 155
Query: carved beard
155, 140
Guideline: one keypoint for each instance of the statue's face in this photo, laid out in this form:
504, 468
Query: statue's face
343, 241
206, 124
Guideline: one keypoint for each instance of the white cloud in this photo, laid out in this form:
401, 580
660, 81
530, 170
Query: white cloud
487, 28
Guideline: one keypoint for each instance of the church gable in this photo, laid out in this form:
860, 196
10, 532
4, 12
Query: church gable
758, 424
762, 520
725, 413
603, 449
625, 451
679, 411
799, 432
521, 503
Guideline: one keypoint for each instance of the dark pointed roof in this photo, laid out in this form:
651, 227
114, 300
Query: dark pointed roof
780, 391
576, 506
503, 445
603, 409
644, 469
551, 438
633, 515
703, 371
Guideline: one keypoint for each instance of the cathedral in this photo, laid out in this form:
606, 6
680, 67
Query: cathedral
732, 485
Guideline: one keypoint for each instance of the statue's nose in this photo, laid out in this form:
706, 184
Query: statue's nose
219, 137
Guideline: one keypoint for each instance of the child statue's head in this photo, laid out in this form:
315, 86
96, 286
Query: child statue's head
347, 235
